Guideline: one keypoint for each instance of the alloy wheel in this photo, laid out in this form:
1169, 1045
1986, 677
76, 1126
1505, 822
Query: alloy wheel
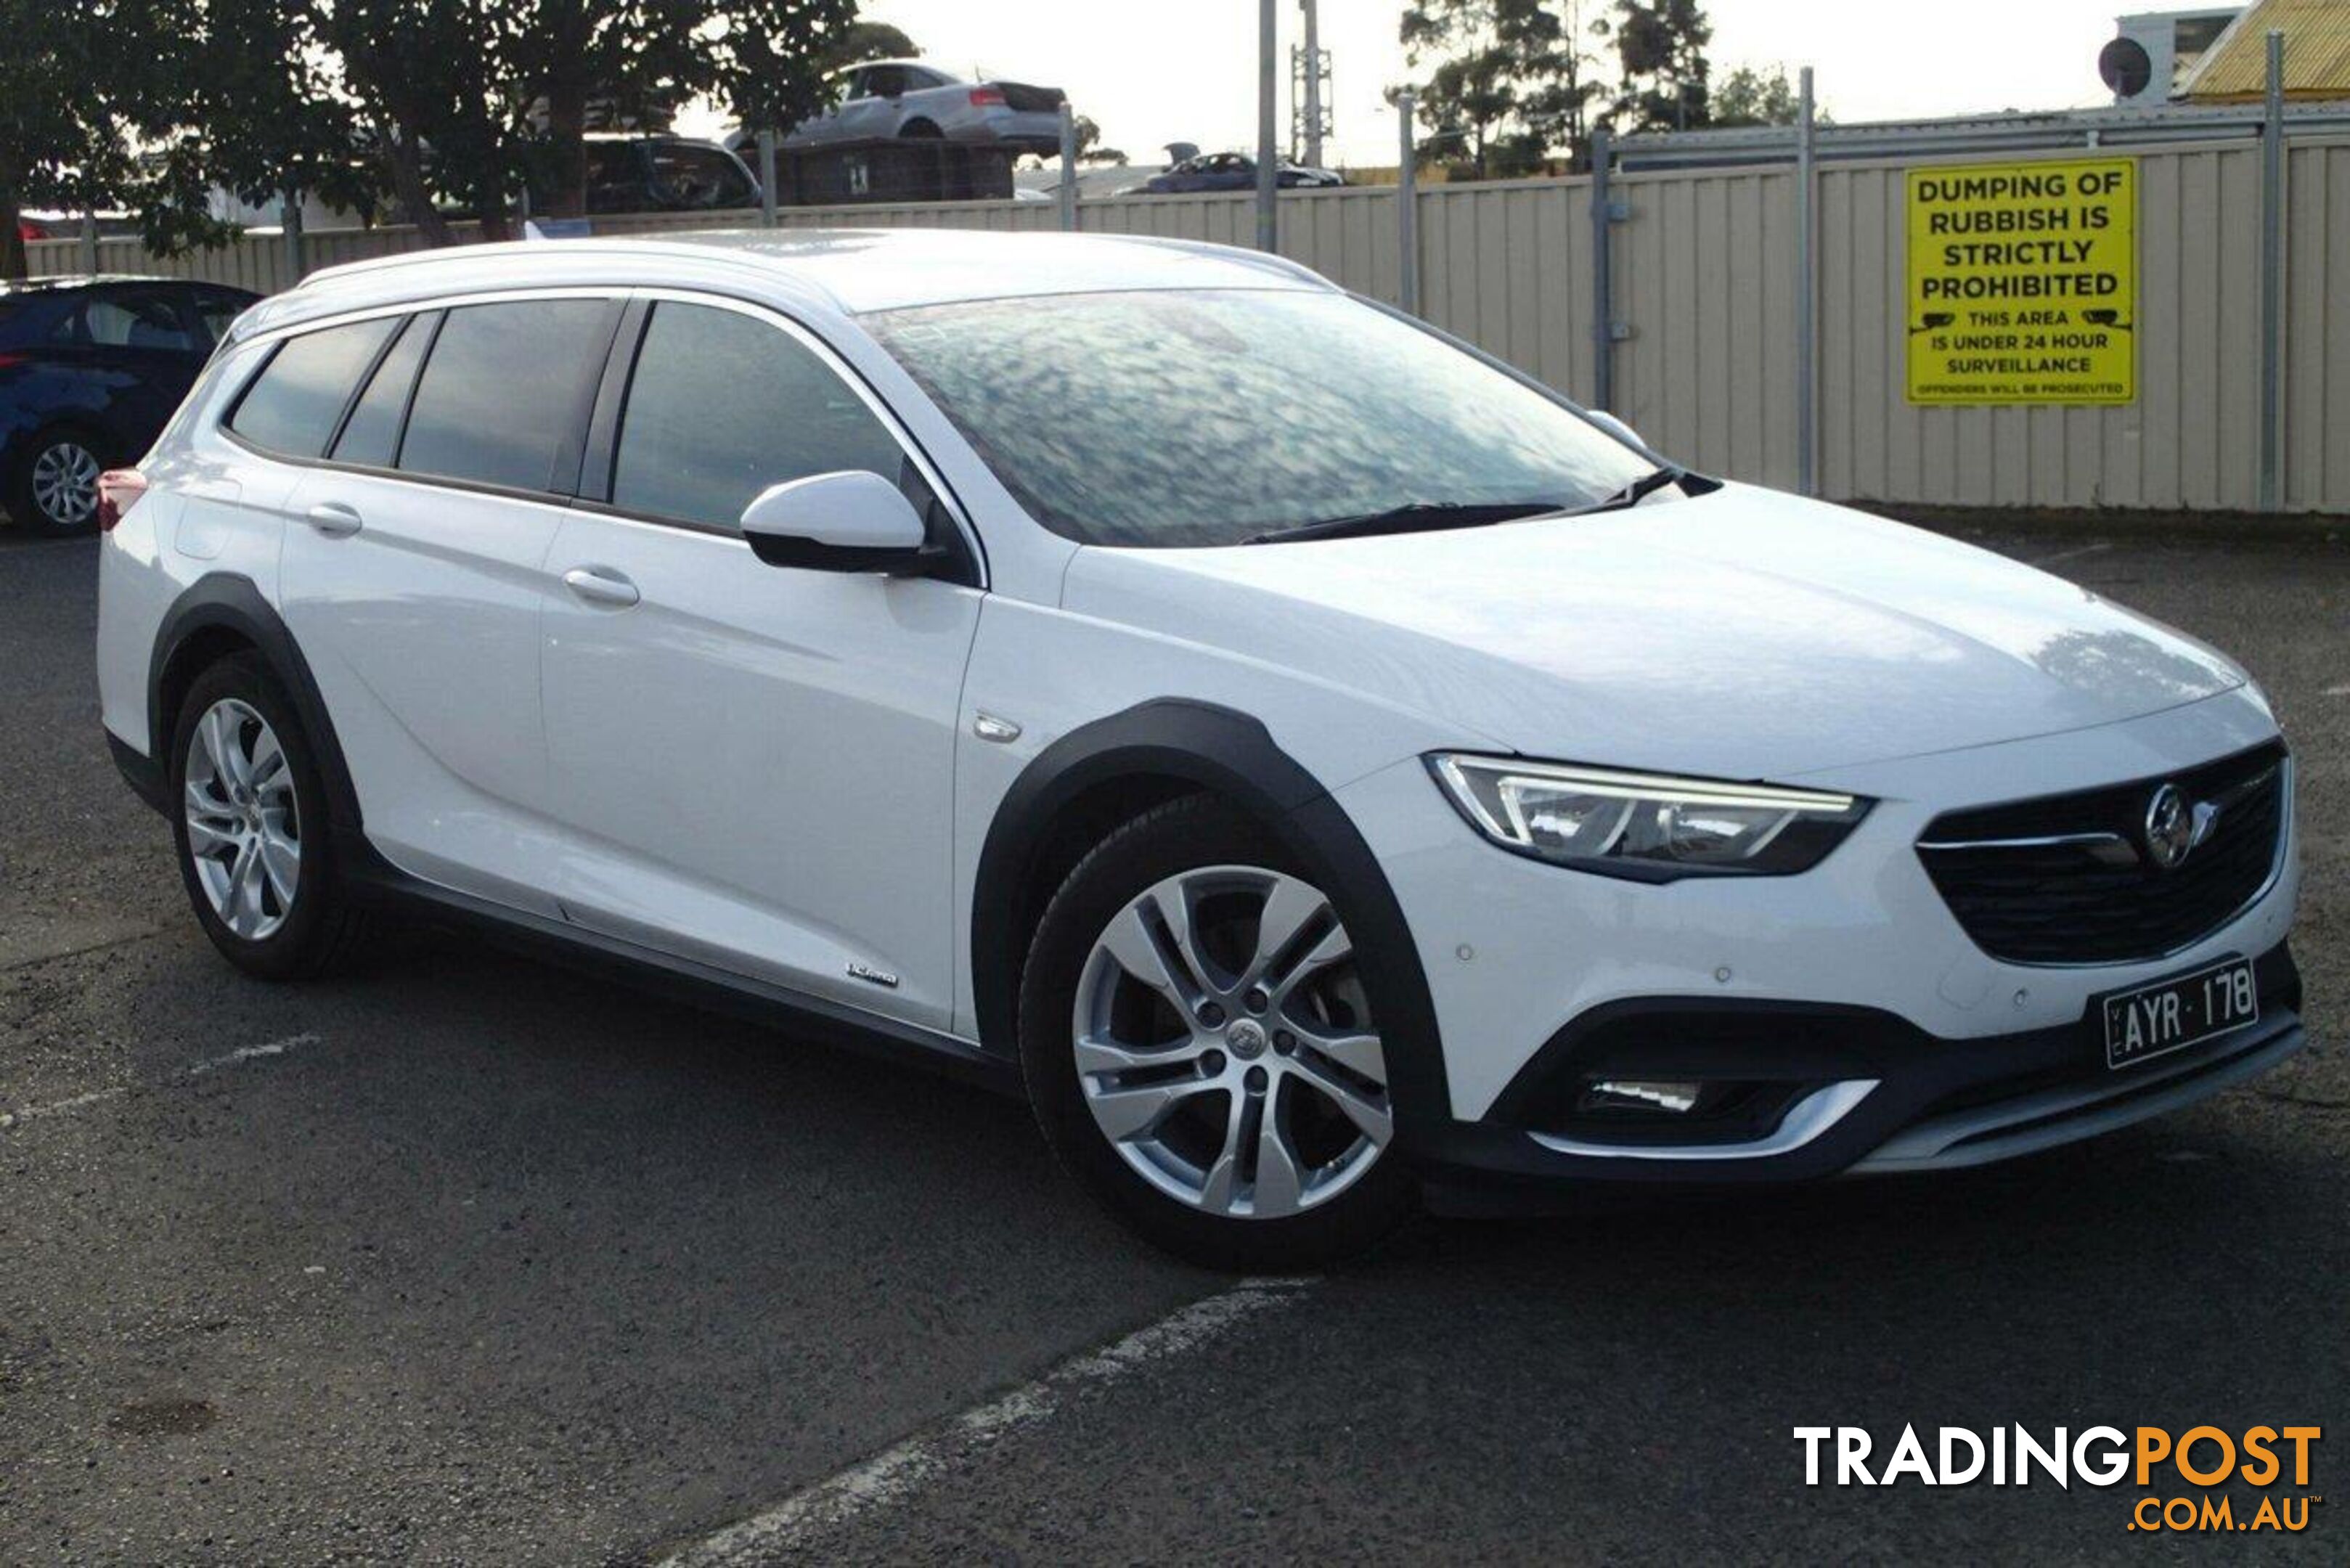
64, 483
1225, 1047
244, 831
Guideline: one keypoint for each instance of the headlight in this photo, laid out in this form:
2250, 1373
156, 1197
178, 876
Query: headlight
1642, 825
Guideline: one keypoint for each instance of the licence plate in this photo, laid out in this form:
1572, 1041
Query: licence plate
2172, 1014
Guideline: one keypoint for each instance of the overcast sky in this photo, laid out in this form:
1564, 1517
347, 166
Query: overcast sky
1153, 71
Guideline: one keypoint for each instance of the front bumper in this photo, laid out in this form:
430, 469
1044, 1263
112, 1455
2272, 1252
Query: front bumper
1854, 977
1872, 1094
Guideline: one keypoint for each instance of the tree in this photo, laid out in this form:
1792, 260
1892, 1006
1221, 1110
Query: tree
1751, 97
862, 41
1661, 48
84, 86
1089, 147
1499, 67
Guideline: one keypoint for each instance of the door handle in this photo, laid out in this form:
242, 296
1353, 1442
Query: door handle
602, 585
334, 519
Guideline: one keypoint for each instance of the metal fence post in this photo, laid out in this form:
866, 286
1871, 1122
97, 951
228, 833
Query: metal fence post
2273, 280
1408, 206
1603, 274
767, 177
1268, 128
1807, 294
289, 214
1068, 193
89, 242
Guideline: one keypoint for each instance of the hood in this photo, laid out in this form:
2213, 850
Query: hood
1740, 634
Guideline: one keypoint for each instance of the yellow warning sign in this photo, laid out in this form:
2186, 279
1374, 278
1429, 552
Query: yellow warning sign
2023, 283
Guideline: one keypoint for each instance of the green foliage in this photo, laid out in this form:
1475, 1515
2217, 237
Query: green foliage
1751, 97
862, 41
1660, 47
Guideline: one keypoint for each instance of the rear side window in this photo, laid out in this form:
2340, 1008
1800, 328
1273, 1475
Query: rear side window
505, 391
291, 407
135, 319
720, 407
371, 435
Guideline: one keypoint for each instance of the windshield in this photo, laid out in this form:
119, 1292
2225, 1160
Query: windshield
1210, 417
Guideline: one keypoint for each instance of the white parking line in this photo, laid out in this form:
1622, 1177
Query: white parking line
895, 1472
235, 1058
2069, 554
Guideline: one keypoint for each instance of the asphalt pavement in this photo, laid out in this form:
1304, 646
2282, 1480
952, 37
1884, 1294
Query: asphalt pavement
465, 1258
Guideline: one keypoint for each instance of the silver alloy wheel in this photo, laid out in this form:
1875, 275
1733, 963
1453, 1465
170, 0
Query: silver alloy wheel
1225, 1047
244, 828
64, 483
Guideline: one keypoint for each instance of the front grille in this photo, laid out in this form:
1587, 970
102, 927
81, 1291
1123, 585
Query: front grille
2070, 879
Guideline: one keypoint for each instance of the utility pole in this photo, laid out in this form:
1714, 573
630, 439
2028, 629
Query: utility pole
1268, 127
1309, 84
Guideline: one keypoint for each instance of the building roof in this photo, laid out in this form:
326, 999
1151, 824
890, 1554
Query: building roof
2235, 69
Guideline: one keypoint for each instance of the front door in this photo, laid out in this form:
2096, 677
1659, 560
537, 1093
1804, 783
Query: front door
754, 763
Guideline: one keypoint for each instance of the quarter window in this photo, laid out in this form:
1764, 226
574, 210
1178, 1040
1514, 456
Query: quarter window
291, 407
505, 391
720, 407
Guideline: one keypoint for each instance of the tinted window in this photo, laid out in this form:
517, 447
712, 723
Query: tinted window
720, 407
217, 311
293, 407
686, 176
135, 319
371, 435
1205, 417
505, 389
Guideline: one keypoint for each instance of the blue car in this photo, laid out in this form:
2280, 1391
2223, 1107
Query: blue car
90, 371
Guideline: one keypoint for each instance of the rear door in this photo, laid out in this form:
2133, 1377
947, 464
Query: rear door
411, 576
753, 765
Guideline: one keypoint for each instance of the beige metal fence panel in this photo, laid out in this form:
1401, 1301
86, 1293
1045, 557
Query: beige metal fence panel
2191, 441
1507, 265
2317, 328
1705, 276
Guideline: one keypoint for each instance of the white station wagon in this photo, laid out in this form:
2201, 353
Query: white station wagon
1321, 768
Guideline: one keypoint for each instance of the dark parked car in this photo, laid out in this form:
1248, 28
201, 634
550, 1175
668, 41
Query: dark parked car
90, 370
665, 174
1233, 172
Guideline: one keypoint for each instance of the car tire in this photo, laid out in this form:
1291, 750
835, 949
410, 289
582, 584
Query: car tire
53, 490
1265, 1153
249, 821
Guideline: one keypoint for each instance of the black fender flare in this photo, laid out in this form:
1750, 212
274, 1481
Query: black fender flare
1232, 755
229, 601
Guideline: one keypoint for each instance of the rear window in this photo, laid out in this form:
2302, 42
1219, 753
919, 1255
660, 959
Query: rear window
505, 391
291, 407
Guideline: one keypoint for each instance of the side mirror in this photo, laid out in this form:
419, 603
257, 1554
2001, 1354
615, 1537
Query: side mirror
848, 522
1615, 427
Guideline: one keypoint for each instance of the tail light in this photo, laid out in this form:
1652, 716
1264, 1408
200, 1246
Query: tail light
10, 362
118, 490
987, 98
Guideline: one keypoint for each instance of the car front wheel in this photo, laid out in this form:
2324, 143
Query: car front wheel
1202, 1049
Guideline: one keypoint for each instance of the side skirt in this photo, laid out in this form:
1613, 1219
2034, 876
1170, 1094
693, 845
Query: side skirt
379, 882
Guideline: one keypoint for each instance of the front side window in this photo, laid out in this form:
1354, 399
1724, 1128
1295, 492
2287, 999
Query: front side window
721, 406
292, 406
506, 390
1208, 417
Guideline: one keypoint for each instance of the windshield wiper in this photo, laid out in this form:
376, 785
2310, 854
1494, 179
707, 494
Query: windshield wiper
1640, 490
1418, 517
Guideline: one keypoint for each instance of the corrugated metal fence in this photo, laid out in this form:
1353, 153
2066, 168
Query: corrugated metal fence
1705, 283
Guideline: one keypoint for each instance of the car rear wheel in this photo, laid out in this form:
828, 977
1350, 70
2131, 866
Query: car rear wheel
55, 488
250, 827
1202, 1051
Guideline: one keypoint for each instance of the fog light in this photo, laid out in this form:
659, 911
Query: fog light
1641, 1095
